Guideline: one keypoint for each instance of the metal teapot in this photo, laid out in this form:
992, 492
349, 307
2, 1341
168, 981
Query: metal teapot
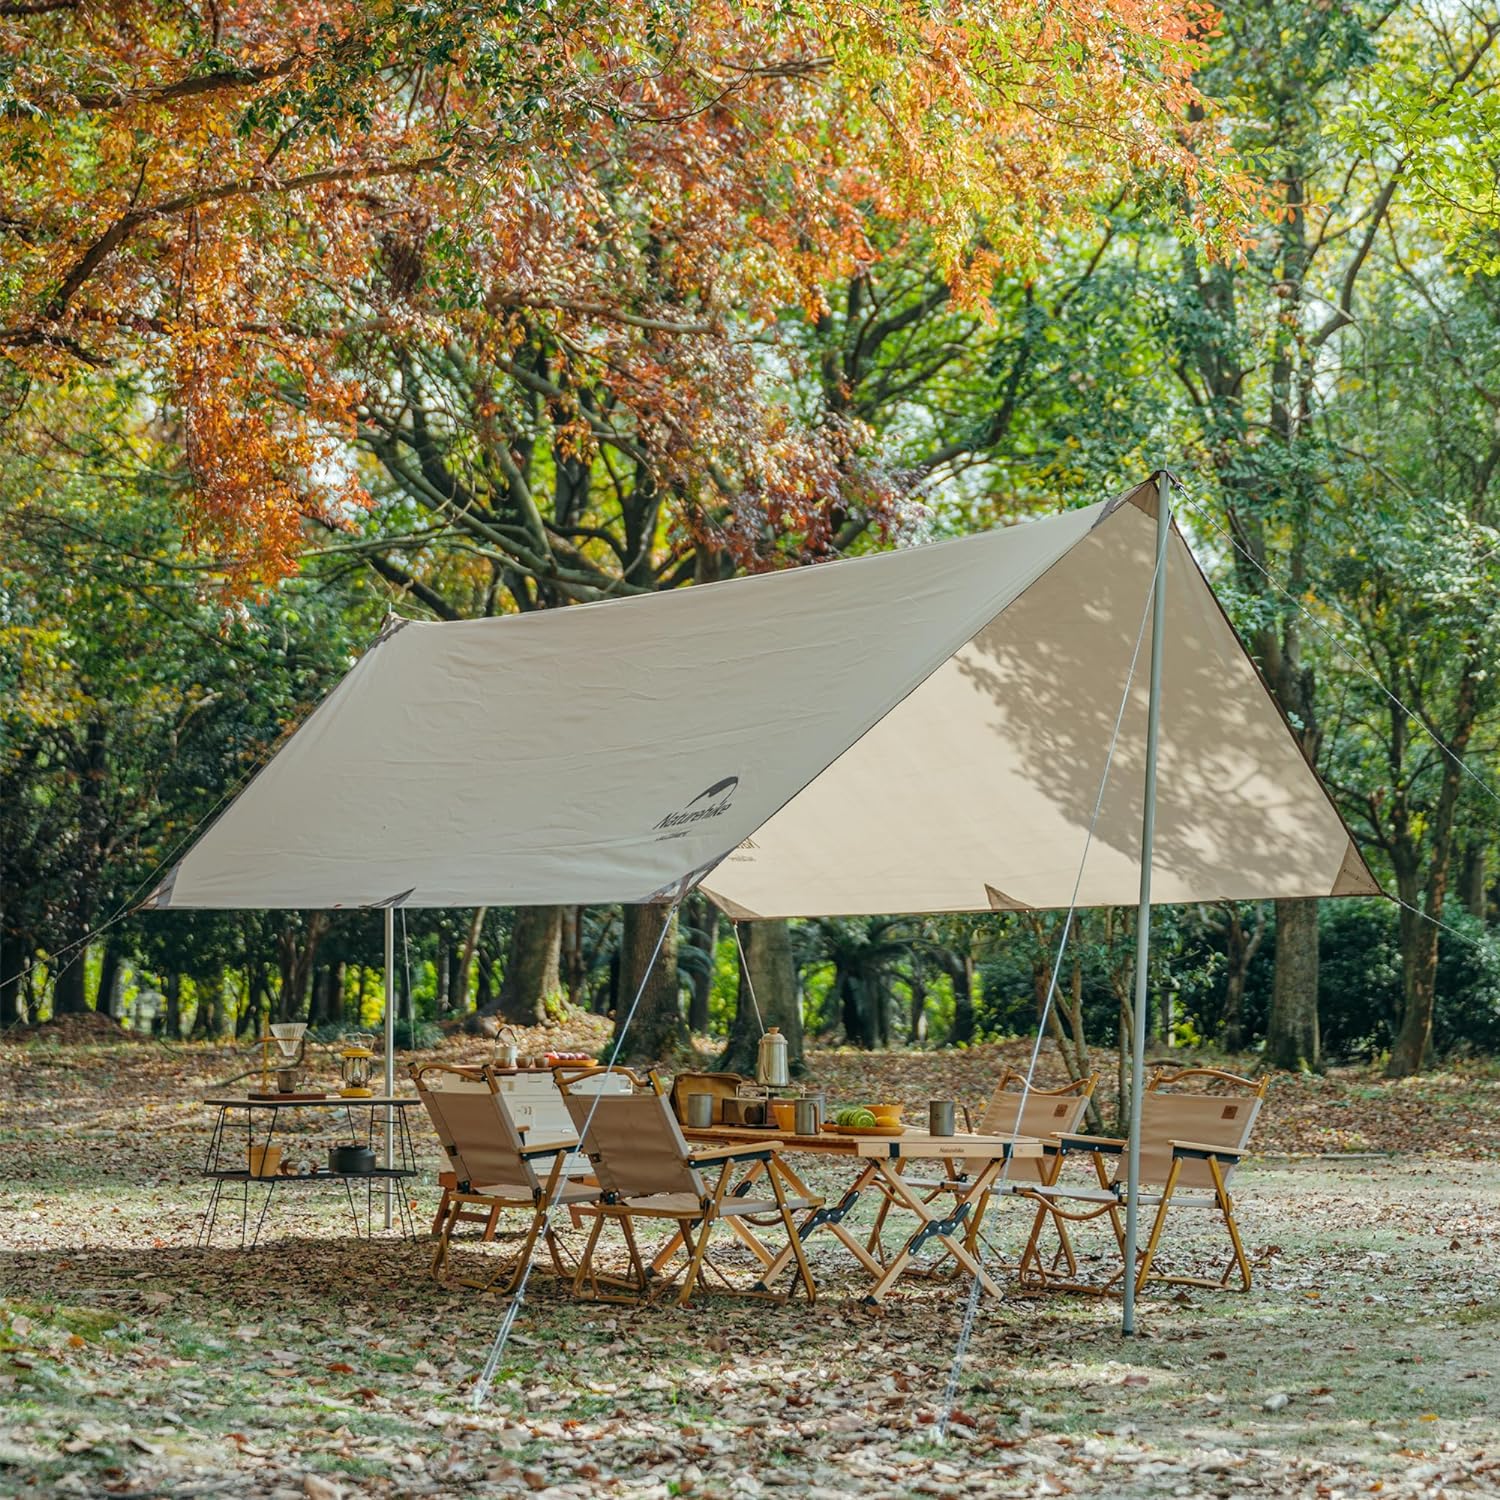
771, 1062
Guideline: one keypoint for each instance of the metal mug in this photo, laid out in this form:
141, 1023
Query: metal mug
941, 1117
700, 1111
286, 1080
805, 1117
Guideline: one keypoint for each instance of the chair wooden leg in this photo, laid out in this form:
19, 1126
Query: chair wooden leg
804, 1271
1156, 1227
695, 1265
1226, 1207
513, 1269
585, 1274
439, 1261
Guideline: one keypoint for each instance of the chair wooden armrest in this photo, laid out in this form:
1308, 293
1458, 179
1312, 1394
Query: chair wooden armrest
1199, 1149
715, 1156
1105, 1144
548, 1148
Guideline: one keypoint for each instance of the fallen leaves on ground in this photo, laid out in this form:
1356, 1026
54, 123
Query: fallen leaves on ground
320, 1366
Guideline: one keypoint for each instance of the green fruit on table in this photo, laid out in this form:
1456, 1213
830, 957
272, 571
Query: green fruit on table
855, 1115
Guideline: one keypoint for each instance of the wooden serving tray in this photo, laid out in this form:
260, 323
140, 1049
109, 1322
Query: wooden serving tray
285, 1098
887, 1130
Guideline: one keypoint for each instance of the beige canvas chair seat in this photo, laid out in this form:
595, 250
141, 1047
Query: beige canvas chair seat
1191, 1139
495, 1170
518, 1194
646, 1170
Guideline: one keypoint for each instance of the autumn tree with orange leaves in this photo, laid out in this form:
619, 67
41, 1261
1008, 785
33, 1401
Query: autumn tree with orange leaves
332, 236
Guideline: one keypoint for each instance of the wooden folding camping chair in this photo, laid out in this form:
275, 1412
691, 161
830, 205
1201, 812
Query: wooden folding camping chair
648, 1172
1191, 1143
495, 1171
1015, 1110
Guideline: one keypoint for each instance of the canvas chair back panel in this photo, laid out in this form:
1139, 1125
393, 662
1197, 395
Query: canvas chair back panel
482, 1144
1042, 1115
637, 1147
1213, 1119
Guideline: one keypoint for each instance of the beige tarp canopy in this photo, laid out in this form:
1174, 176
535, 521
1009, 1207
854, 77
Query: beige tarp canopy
921, 730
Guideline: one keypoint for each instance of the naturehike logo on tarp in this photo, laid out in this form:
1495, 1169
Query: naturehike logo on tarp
711, 802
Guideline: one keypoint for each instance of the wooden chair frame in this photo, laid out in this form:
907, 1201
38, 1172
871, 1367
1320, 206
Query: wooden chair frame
1205, 1165
468, 1201
696, 1213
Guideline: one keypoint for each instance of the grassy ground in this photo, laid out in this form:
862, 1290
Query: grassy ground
1365, 1360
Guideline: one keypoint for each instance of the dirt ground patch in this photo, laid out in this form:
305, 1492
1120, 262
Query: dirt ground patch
132, 1362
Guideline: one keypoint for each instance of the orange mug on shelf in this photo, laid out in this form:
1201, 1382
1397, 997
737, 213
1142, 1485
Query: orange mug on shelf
784, 1112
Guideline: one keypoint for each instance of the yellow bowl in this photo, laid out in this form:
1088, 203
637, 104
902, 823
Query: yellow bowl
886, 1114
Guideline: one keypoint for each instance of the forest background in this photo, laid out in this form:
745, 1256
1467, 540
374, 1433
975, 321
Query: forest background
313, 311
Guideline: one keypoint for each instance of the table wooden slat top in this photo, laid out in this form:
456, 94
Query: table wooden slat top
913, 1143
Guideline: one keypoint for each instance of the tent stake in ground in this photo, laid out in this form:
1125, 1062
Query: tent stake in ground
1164, 482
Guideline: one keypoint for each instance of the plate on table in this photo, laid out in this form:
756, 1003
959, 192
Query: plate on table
890, 1130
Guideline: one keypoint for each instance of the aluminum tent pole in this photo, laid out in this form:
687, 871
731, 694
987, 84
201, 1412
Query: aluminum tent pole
1143, 918
390, 1056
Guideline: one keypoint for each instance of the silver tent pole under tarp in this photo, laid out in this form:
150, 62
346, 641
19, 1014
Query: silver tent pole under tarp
390, 1056
1143, 919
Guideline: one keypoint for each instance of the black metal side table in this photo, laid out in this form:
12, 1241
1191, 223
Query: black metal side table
227, 1161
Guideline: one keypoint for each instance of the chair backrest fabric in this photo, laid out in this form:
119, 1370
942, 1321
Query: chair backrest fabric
1212, 1119
477, 1134
635, 1144
1045, 1112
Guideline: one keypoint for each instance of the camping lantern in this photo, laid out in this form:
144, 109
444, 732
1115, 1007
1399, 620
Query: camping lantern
356, 1065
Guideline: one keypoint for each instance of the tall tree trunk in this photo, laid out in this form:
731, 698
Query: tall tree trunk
466, 961
1475, 900
1240, 950
1292, 1031
12, 967
1124, 1037
1419, 943
107, 996
916, 1025
1070, 1038
173, 992
574, 971
1419, 954
701, 920
657, 1030
960, 967
772, 971
531, 981
68, 995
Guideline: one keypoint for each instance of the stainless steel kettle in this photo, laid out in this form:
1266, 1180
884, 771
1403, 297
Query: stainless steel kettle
771, 1062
